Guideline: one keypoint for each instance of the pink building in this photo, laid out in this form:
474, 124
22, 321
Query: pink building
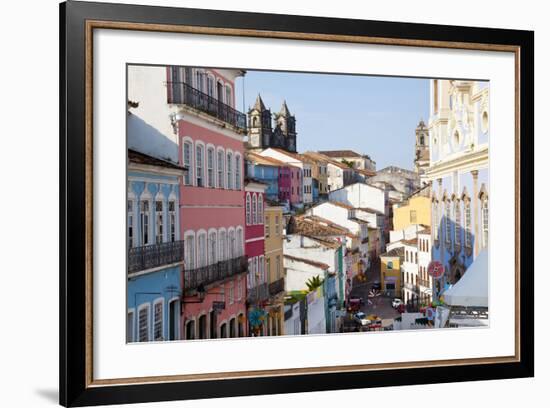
295, 185
210, 143
257, 279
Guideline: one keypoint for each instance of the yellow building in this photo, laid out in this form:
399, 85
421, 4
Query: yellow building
417, 210
390, 271
274, 225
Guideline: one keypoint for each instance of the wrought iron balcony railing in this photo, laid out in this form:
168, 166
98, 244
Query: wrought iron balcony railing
184, 94
152, 256
277, 287
258, 293
193, 278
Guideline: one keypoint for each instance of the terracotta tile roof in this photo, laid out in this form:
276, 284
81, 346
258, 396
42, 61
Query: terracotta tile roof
296, 156
327, 242
366, 172
266, 161
142, 158
395, 252
314, 226
339, 153
413, 241
307, 261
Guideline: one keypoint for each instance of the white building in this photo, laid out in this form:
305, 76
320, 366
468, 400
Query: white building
361, 196
417, 284
293, 323
296, 160
316, 320
300, 270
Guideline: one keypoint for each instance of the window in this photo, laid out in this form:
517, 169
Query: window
278, 266
485, 220
232, 328
448, 223
158, 216
210, 86
199, 80
190, 252
130, 223
201, 250
413, 217
467, 223
157, 321
228, 99
230, 294
212, 248
276, 225
130, 326
248, 213
237, 172
260, 216
210, 166
239, 289
390, 265
240, 242
143, 323
198, 165
266, 226
144, 222
232, 249
190, 330
457, 223
172, 219
222, 253
229, 171
220, 169
187, 149
254, 209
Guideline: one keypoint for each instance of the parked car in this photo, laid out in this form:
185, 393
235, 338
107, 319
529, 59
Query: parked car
361, 319
376, 285
354, 304
396, 302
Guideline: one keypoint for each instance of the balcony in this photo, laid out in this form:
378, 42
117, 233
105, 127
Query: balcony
259, 293
181, 93
412, 287
277, 287
193, 278
153, 256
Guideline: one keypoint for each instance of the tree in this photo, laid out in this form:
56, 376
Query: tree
314, 282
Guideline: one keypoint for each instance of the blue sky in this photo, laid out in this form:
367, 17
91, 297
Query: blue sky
371, 115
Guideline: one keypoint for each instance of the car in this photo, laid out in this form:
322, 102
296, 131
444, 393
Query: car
361, 319
396, 302
354, 304
376, 285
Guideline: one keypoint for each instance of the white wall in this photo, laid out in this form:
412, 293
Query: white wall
307, 248
316, 321
360, 195
336, 214
149, 127
298, 273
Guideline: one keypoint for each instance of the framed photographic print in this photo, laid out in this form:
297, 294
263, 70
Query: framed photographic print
256, 204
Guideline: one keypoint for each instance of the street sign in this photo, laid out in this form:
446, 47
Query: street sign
436, 269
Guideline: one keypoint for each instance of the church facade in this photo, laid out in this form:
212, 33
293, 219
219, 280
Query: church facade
262, 135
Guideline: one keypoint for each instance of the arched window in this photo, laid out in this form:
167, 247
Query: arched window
458, 223
240, 251
221, 168
237, 172
187, 153
228, 98
201, 250
222, 252
210, 166
159, 220
260, 216
485, 220
172, 220
254, 209
229, 171
232, 244
212, 248
199, 158
467, 222
189, 251
248, 218
144, 221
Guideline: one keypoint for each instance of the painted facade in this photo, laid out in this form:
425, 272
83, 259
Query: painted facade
154, 281
416, 210
459, 174
210, 133
390, 271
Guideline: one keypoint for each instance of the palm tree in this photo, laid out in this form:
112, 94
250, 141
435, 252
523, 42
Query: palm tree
314, 282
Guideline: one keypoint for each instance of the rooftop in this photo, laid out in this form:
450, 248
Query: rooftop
315, 226
141, 158
340, 153
395, 252
308, 262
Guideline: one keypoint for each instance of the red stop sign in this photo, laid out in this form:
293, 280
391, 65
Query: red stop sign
436, 269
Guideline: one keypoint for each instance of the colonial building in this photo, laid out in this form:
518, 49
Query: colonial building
356, 160
274, 266
319, 175
257, 278
212, 216
421, 149
416, 210
338, 174
261, 134
295, 160
155, 249
459, 173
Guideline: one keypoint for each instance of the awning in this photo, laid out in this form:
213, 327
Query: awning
473, 288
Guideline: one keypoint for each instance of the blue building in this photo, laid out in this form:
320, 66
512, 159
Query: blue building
264, 169
155, 250
459, 174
